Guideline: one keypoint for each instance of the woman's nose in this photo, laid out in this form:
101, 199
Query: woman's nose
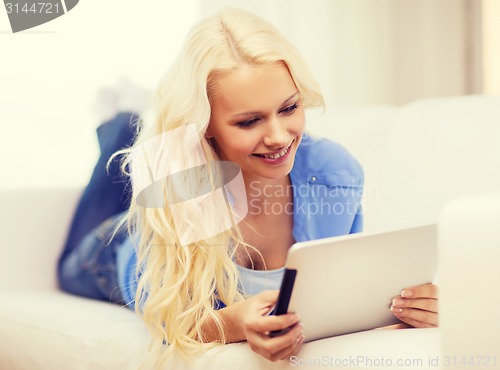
277, 134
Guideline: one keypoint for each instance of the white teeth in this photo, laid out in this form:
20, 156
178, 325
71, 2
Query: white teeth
277, 155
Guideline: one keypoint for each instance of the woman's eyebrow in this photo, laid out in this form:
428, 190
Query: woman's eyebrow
254, 113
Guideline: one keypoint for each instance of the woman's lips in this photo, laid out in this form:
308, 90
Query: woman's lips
275, 154
277, 157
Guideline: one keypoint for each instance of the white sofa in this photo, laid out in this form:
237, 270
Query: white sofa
416, 158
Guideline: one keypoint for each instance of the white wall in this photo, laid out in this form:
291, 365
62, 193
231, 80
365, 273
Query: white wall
373, 52
342, 41
491, 42
49, 77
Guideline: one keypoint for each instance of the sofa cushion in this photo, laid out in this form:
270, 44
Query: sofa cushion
33, 226
419, 156
52, 330
432, 151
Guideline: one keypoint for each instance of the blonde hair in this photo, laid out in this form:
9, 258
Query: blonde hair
179, 285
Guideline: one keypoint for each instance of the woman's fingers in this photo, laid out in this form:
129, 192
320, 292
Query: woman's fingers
268, 297
420, 291
257, 325
278, 347
416, 323
265, 324
288, 352
409, 315
426, 304
417, 306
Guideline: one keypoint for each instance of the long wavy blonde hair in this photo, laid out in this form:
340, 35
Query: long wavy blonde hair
180, 284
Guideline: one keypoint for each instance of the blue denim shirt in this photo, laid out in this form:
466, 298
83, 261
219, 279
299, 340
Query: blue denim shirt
327, 184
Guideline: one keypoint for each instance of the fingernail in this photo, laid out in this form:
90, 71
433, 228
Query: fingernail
301, 338
294, 318
405, 293
396, 310
398, 302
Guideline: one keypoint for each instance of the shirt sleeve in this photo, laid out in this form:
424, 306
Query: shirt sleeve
357, 224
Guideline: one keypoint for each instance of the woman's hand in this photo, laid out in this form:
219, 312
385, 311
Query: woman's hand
417, 306
256, 325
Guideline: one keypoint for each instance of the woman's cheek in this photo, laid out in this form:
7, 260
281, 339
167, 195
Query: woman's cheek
303, 121
298, 122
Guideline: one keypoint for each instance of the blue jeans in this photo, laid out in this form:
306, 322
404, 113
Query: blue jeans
90, 269
87, 265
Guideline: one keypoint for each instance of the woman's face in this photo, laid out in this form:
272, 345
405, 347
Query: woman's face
257, 120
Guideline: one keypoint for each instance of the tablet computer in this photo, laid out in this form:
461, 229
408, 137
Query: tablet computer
345, 284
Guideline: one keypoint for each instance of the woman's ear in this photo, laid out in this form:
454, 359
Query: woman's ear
208, 132
209, 136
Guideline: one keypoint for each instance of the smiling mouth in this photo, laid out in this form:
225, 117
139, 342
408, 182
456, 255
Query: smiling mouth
276, 155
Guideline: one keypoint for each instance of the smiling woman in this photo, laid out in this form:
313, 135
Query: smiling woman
242, 88
257, 121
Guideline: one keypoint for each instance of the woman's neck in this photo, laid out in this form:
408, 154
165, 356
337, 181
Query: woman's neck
263, 193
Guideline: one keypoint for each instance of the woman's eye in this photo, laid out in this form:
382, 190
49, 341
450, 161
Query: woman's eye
248, 123
290, 109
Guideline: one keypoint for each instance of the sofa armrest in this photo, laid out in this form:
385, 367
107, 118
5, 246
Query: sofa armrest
33, 227
469, 247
